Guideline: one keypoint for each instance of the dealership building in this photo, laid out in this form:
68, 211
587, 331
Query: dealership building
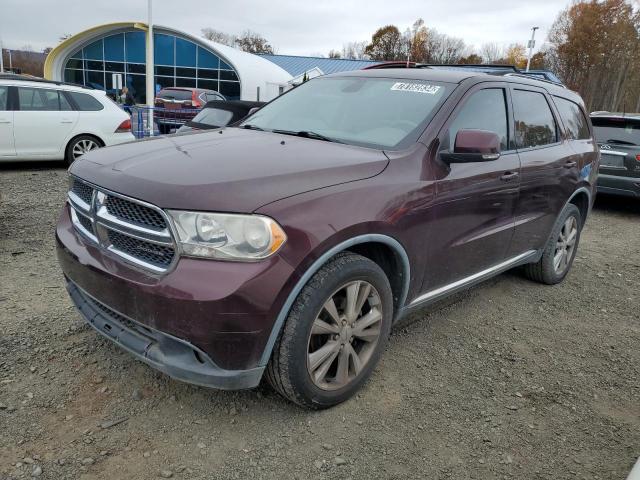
181, 60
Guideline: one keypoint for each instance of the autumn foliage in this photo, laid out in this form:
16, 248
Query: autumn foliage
595, 49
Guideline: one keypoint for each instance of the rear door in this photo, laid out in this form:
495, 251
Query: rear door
550, 167
7, 146
43, 122
475, 204
619, 140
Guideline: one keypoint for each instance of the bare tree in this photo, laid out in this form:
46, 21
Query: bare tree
219, 37
253, 42
334, 54
354, 50
491, 52
444, 49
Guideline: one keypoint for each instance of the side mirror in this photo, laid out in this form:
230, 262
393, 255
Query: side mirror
473, 146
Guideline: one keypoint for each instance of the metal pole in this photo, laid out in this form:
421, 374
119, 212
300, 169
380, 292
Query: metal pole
532, 43
10, 62
150, 70
1, 58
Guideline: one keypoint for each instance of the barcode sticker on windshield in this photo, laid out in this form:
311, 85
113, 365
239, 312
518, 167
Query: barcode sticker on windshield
416, 87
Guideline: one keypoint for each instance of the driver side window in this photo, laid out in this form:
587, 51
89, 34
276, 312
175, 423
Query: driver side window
483, 110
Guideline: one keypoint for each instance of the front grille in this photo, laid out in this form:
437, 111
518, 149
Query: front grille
114, 316
135, 213
82, 190
157, 255
136, 232
85, 222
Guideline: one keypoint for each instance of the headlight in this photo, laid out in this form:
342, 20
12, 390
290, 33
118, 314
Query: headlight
227, 236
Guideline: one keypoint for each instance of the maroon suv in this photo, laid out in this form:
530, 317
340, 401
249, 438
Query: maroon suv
289, 245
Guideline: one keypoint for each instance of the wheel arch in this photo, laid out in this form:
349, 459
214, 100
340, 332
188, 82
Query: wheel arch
372, 246
581, 198
77, 135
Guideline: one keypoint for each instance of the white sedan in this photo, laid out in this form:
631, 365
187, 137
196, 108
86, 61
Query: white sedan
42, 120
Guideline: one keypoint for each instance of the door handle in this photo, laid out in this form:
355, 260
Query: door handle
508, 176
570, 164
5, 121
66, 121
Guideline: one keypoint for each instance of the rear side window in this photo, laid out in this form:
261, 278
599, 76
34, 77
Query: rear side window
64, 103
4, 98
483, 110
38, 99
535, 125
621, 131
573, 119
85, 102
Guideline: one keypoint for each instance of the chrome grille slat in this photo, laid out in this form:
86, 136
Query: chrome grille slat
136, 231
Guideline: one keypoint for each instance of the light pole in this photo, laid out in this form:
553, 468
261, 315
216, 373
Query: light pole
1, 58
150, 70
532, 44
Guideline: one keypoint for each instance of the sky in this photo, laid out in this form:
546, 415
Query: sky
294, 27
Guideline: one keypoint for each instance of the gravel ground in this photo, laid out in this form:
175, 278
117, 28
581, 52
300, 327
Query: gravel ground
510, 380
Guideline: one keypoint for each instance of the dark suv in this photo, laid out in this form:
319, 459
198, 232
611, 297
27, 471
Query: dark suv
288, 246
619, 138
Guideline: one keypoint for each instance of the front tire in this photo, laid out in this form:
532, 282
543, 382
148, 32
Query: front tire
334, 335
560, 250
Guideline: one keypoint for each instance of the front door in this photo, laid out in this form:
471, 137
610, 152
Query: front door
7, 148
475, 202
43, 122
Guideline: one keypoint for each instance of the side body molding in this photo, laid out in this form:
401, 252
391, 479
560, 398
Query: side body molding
373, 237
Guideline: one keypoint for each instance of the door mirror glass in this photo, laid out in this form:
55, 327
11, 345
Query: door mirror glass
474, 146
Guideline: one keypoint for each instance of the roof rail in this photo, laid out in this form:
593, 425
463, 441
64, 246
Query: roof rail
28, 78
537, 78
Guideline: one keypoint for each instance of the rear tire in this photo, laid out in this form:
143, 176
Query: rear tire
80, 145
560, 250
354, 340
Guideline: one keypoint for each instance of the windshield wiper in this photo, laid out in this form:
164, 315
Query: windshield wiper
308, 134
248, 126
620, 142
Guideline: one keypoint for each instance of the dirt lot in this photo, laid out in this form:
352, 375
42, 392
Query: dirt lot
513, 380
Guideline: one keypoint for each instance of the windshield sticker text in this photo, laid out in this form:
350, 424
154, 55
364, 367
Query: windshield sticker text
416, 87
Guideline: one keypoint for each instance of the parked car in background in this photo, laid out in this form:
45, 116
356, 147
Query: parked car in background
43, 120
220, 113
177, 105
619, 138
288, 245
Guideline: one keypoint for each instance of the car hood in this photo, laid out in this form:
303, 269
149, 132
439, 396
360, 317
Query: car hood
230, 170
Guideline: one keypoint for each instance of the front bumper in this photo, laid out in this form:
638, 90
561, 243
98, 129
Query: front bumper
223, 311
618, 185
165, 353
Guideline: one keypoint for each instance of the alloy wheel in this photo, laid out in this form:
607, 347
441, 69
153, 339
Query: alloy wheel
565, 244
83, 146
344, 335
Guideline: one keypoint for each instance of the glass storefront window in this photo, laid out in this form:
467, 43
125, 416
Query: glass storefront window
93, 51
163, 49
185, 53
114, 48
206, 59
179, 62
135, 47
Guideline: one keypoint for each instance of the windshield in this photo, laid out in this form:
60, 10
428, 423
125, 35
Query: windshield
213, 116
371, 112
617, 130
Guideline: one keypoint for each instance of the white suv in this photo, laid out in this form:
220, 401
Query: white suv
42, 120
